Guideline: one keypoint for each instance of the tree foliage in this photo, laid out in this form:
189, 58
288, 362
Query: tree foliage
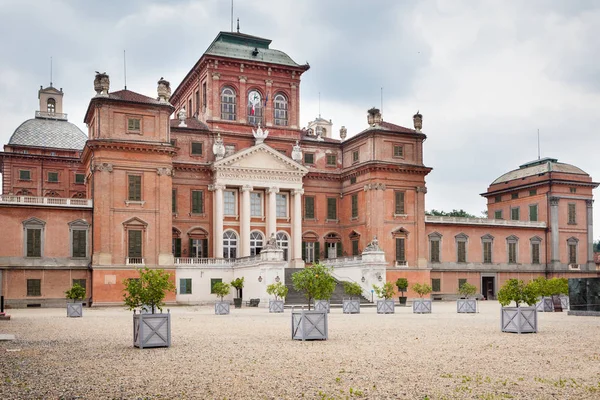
385, 291
278, 290
238, 284
77, 292
221, 289
315, 281
148, 290
352, 288
519, 292
453, 213
466, 290
422, 289
402, 284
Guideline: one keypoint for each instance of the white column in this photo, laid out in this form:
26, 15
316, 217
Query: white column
272, 215
218, 222
245, 221
297, 230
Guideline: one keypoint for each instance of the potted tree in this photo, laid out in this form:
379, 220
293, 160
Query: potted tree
148, 292
221, 289
316, 282
402, 284
351, 305
280, 291
325, 287
385, 292
518, 319
76, 294
421, 305
238, 284
465, 304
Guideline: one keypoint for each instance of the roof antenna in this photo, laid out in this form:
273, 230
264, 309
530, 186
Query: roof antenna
382, 100
50, 71
319, 104
231, 16
125, 68
238, 25
539, 157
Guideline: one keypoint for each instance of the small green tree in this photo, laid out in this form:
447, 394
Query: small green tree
148, 290
466, 290
517, 291
402, 284
352, 288
238, 284
385, 291
278, 290
422, 289
76, 293
221, 289
315, 281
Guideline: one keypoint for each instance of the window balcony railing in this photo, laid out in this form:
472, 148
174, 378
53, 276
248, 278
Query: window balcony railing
401, 264
203, 261
134, 261
45, 201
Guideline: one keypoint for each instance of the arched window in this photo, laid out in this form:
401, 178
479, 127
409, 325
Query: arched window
51, 106
229, 244
228, 104
256, 243
283, 243
281, 107
255, 107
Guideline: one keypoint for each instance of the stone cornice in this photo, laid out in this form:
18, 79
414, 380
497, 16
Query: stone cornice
62, 159
132, 146
547, 181
371, 166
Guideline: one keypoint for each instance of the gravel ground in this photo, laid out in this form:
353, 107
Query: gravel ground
249, 354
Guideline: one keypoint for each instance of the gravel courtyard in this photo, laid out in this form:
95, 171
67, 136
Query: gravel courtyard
249, 354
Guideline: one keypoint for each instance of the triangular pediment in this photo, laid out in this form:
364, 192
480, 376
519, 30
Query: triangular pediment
260, 157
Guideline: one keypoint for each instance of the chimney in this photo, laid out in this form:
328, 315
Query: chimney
418, 121
374, 117
101, 84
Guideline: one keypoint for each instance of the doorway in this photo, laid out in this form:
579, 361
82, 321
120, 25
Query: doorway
488, 287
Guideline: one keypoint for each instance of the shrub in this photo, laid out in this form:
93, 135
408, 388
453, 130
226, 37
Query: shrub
402, 284
466, 290
385, 291
77, 292
278, 290
147, 290
517, 291
352, 288
315, 281
221, 289
422, 289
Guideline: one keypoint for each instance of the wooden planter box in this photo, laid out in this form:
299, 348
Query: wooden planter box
385, 306
151, 330
275, 306
466, 306
74, 310
222, 307
564, 300
322, 305
518, 319
422, 306
309, 325
351, 306
545, 305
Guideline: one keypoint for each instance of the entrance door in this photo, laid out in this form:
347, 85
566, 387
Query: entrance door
331, 250
487, 287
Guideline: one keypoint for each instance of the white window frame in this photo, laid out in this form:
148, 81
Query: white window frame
279, 206
254, 205
257, 242
310, 252
226, 211
228, 246
283, 241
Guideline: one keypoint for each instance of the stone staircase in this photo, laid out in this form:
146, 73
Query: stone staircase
295, 297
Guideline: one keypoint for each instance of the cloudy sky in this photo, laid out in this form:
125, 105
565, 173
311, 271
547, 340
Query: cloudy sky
486, 75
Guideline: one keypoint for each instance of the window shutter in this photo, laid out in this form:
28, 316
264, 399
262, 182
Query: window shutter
400, 254
435, 251
204, 248
309, 207
304, 251
191, 247
135, 243
174, 200
533, 213
355, 247
177, 247
317, 251
571, 213
462, 256
399, 203
34, 242
354, 205
182, 286
331, 208
340, 251
79, 243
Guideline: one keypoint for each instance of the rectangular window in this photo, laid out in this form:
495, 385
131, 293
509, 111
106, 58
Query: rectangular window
535, 253
256, 204
498, 199
400, 249
133, 124
331, 160
199, 248
399, 203
354, 205
331, 208
461, 281
309, 158
197, 102
198, 202
174, 142
203, 96
398, 151
80, 282
573, 190
53, 177
353, 180
514, 213
310, 251
196, 148
185, 286
79, 244
487, 252
461, 250
533, 212
34, 242
79, 178
355, 251
533, 192
434, 251
24, 175
572, 215
174, 201
34, 287
436, 285
135, 244
355, 156
498, 214
512, 252
572, 254
281, 200
309, 207
212, 284
228, 202
135, 188
514, 196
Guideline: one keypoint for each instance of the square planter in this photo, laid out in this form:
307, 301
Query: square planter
322, 305
151, 330
309, 325
545, 305
564, 300
221, 307
518, 319
351, 306
466, 306
74, 310
385, 306
275, 306
422, 306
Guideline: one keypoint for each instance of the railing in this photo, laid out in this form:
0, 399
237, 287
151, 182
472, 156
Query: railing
202, 261
399, 263
134, 261
341, 260
50, 115
45, 201
482, 221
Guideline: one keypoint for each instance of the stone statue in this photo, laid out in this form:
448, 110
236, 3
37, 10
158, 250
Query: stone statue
319, 131
418, 121
374, 245
297, 152
101, 84
271, 243
219, 148
259, 134
163, 90
182, 115
343, 132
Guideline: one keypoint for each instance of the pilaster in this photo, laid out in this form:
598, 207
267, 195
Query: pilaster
297, 261
245, 221
554, 254
272, 214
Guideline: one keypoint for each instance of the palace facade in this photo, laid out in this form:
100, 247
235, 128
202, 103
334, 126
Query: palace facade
218, 180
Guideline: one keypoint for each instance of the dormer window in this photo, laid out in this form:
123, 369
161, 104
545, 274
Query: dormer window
51, 106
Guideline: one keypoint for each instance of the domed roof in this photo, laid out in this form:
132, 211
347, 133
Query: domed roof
41, 132
539, 167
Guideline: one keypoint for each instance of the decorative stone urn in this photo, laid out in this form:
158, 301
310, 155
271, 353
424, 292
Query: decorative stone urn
151, 330
309, 325
518, 319
418, 121
101, 84
163, 90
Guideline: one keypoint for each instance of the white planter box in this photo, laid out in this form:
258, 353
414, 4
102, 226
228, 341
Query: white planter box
422, 306
222, 308
309, 325
151, 330
385, 306
74, 310
545, 305
518, 319
564, 300
275, 306
322, 305
351, 306
466, 306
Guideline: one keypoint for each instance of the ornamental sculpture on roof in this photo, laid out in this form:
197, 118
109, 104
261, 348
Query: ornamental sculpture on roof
259, 134
163, 90
101, 84
296, 152
218, 147
182, 115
